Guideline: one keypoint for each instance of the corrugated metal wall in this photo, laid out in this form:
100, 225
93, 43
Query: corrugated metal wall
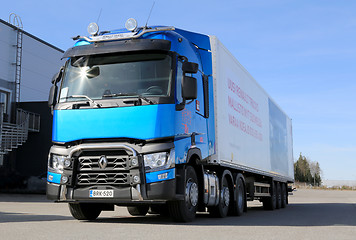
40, 61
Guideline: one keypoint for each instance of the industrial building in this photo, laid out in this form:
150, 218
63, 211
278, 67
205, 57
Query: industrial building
27, 65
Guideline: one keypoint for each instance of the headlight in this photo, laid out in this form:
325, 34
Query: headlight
58, 162
158, 161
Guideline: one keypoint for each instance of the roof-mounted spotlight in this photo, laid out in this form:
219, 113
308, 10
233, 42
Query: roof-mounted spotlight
93, 29
131, 24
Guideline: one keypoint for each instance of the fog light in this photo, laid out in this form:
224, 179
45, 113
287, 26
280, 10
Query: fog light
64, 179
67, 163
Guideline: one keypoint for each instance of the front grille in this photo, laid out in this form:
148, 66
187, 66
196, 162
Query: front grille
102, 178
91, 163
116, 172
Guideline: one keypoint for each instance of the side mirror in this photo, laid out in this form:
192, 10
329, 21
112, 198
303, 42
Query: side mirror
52, 95
189, 88
190, 67
58, 76
93, 72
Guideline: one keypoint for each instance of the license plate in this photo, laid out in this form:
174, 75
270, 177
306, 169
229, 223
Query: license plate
101, 193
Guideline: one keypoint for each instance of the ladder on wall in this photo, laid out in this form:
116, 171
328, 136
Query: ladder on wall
16, 21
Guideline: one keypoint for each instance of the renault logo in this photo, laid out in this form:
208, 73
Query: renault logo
103, 162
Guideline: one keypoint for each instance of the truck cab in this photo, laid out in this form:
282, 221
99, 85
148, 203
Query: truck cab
130, 113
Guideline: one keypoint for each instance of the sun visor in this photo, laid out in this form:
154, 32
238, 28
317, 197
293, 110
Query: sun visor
119, 46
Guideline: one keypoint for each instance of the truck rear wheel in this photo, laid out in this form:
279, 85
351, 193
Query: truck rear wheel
239, 203
279, 195
225, 199
84, 211
270, 203
284, 195
138, 210
185, 210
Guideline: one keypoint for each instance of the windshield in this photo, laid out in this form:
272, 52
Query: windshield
116, 76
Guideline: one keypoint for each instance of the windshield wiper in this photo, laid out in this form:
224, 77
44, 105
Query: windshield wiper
79, 62
119, 94
130, 95
85, 96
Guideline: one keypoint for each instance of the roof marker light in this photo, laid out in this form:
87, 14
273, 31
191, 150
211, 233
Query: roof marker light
93, 28
131, 24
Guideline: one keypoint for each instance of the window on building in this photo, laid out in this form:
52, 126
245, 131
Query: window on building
4, 104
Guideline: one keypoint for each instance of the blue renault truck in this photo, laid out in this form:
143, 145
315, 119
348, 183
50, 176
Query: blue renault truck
164, 121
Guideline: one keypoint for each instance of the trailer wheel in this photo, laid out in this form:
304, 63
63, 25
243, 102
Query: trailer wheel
269, 203
138, 210
284, 195
279, 195
84, 211
240, 200
225, 200
185, 210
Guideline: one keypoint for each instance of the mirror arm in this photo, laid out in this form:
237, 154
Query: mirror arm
180, 106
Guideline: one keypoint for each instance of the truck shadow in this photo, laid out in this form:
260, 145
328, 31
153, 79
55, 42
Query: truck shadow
26, 198
322, 214
8, 217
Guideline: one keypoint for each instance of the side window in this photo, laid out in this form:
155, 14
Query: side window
179, 82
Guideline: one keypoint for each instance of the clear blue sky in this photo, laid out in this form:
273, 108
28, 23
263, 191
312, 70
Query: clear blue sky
302, 52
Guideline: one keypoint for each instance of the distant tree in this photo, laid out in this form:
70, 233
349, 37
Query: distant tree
302, 170
315, 172
307, 171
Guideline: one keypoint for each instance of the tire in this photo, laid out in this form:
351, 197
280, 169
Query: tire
225, 199
284, 195
138, 210
279, 195
84, 211
185, 210
239, 192
270, 203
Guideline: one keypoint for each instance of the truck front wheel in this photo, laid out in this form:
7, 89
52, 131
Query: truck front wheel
185, 210
84, 211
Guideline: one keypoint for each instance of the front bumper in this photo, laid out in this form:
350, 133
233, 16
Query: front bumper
152, 187
152, 192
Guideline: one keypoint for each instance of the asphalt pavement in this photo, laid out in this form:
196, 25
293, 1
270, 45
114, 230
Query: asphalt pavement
311, 214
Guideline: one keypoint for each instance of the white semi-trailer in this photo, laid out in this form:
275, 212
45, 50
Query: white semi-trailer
252, 134
166, 119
